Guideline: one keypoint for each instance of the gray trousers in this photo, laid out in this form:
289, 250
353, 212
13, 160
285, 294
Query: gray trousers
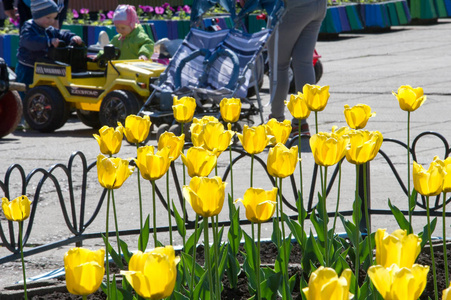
298, 32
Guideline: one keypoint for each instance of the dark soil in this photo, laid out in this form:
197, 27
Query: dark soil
268, 255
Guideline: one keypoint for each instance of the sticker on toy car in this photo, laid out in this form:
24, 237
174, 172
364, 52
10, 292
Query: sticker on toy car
77, 91
50, 70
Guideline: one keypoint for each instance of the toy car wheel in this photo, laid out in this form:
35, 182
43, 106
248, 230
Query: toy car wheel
10, 112
89, 118
116, 106
162, 129
45, 109
318, 70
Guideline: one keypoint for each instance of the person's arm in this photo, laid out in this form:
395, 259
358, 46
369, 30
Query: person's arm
146, 49
10, 10
33, 40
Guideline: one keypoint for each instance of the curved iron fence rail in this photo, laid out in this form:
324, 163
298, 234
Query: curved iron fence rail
75, 221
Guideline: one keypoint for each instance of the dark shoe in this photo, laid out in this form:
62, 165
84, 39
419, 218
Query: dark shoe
305, 131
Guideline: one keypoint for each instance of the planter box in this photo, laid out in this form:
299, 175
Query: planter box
9, 43
385, 14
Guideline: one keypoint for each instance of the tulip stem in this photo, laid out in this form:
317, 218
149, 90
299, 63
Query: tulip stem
338, 197
252, 170
169, 208
434, 271
207, 256
357, 211
282, 246
154, 208
231, 170
107, 244
115, 224
257, 267
216, 254
84, 297
445, 254
325, 218
23, 261
316, 121
408, 172
367, 215
140, 208
193, 272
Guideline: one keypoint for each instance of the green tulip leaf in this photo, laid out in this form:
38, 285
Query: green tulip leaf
127, 254
233, 267
297, 230
193, 240
269, 286
413, 200
116, 258
181, 228
235, 233
426, 235
400, 218
178, 296
318, 224
144, 236
201, 290
302, 213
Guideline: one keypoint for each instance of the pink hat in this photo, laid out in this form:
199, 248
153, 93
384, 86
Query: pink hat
125, 14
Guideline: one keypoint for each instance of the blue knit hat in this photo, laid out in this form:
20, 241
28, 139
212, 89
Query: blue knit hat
41, 8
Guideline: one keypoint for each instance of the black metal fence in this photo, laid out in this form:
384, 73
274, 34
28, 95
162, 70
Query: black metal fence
73, 204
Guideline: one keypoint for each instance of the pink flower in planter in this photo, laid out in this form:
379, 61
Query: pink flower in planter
75, 13
165, 5
146, 8
159, 10
102, 17
186, 9
110, 14
15, 22
84, 11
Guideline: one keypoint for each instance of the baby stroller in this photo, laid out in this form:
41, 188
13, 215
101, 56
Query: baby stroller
210, 66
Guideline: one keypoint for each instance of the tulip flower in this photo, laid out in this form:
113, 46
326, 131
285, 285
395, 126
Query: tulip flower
230, 109
16, 210
136, 128
84, 270
282, 161
430, 182
206, 195
260, 204
112, 172
329, 148
213, 137
183, 109
446, 189
110, 139
279, 130
199, 161
447, 180
153, 165
410, 98
358, 115
153, 274
297, 105
397, 248
173, 142
254, 139
324, 283
399, 283
363, 146
446, 295
316, 96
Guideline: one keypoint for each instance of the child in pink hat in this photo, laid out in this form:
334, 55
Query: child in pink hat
131, 39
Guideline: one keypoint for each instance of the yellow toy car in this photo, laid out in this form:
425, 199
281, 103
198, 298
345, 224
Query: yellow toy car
102, 93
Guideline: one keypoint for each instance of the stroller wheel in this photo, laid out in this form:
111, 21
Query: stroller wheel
176, 129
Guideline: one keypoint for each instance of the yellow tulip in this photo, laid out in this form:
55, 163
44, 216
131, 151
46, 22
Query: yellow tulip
153, 165
214, 137
409, 98
395, 283
254, 139
183, 109
84, 270
137, 128
230, 109
18, 209
206, 195
197, 127
324, 283
175, 144
329, 148
446, 295
297, 105
199, 161
282, 161
260, 204
110, 139
153, 274
316, 96
430, 182
447, 180
363, 146
358, 115
112, 172
397, 248
279, 130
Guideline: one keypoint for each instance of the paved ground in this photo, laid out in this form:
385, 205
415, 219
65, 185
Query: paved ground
359, 68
